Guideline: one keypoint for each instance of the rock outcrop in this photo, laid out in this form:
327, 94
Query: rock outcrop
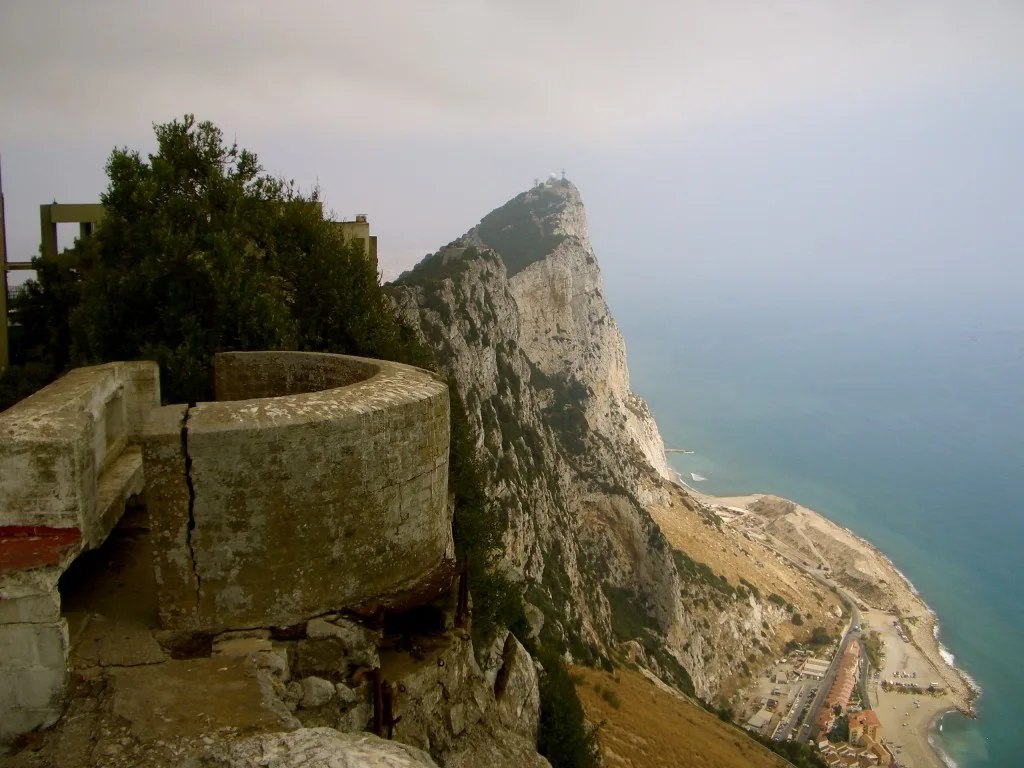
516, 313
308, 747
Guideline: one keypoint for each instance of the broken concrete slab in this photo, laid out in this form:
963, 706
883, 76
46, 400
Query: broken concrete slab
185, 699
106, 642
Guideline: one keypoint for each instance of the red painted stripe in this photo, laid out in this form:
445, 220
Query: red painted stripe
33, 546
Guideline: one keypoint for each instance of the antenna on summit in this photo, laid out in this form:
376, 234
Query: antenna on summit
563, 174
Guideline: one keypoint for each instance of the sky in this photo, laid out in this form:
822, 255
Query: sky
426, 116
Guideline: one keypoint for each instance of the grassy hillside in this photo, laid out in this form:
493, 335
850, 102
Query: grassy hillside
648, 727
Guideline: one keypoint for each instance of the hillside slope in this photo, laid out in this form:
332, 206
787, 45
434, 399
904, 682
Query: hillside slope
644, 725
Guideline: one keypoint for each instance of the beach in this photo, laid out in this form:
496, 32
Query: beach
890, 606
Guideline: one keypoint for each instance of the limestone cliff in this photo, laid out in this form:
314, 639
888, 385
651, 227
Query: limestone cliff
515, 311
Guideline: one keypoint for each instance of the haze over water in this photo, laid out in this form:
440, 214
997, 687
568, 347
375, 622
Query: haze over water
843, 328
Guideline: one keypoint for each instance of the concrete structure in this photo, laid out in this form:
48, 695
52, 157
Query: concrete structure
68, 463
316, 482
815, 668
85, 215
5, 355
359, 230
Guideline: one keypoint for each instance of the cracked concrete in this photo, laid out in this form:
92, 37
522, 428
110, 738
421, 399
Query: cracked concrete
191, 502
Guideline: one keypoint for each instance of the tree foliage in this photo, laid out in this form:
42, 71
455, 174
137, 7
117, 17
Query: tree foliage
564, 738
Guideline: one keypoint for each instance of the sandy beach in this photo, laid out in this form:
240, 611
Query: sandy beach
885, 598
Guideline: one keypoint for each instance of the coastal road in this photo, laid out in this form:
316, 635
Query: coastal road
786, 728
848, 635
830, 677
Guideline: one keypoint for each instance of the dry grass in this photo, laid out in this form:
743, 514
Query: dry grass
730, 553
653, 727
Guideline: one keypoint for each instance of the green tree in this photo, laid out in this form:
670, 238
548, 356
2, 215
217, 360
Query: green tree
183, 264
564, 738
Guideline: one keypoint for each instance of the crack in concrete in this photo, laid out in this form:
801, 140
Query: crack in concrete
191, 501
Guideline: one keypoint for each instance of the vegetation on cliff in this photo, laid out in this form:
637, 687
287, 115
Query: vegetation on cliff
517, 230
564, 737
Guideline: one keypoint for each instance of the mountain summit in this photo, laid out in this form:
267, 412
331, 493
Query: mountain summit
566, 329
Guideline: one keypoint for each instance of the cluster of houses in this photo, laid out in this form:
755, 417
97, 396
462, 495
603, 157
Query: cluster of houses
864, 748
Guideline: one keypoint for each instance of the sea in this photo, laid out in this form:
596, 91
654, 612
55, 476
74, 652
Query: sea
901, 420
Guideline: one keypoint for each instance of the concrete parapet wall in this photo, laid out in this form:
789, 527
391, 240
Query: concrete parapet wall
68, 463
57, 446
272, 509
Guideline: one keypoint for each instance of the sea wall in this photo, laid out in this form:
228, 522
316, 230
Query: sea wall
68, 463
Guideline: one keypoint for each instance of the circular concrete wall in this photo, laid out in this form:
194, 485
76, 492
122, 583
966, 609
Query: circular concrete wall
321, 484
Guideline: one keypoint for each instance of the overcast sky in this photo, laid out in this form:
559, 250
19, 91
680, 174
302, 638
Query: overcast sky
426, 115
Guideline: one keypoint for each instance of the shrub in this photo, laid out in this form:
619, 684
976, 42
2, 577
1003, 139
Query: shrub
820, 636
611, 697
563, 737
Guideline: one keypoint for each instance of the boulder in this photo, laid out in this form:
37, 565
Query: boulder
516, 691
359, 642
315, 692
307, 747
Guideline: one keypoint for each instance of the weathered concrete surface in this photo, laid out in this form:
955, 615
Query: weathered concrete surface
168, 500
269, 511
163, 701
67, 466
56, 445
33, 674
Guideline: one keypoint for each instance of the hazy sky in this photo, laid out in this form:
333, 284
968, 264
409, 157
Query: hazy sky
426, 115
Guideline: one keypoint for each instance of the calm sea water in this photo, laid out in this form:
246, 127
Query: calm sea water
905, 426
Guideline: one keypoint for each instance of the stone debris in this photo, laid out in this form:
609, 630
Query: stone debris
358, 718
516, 690
293, 693
255, 645
315, 692
346, 696
360, 643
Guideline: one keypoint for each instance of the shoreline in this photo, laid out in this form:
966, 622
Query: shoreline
962, 690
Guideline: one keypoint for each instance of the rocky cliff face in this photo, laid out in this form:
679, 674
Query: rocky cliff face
515, 311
